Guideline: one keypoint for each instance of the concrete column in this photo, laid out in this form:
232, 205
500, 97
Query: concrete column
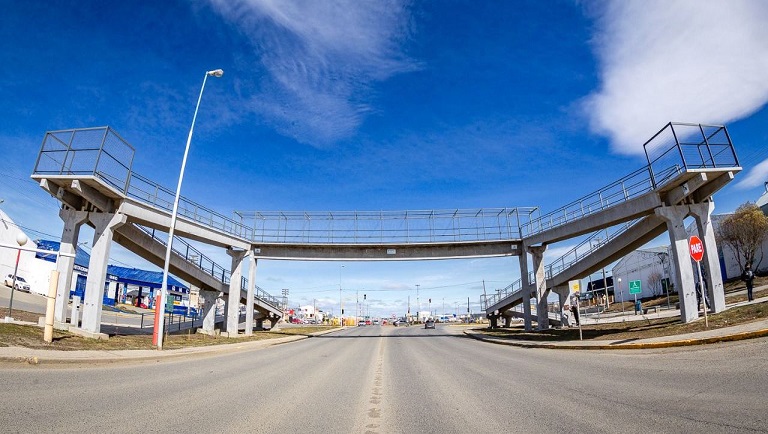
251, 289
233, 298
678, 238
542, 292
104, 226
507, 321
209, 310
702, 212
494, 320
73, 220
75, 310
259, 324
525, 285
273, 323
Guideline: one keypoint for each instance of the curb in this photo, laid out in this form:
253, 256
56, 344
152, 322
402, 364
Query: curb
235, 346
625, 346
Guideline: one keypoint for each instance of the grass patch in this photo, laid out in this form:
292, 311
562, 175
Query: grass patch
638, 329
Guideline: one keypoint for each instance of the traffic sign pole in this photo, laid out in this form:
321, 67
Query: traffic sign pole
696, 249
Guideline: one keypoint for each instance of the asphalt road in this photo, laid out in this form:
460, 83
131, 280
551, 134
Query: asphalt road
400, 380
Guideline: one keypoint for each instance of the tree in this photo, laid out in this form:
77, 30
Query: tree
743, 232
654, 282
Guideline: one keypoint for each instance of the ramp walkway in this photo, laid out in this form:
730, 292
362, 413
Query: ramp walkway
687, 164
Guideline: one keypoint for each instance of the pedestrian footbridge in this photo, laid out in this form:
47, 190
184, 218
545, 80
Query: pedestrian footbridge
91, 172
687, 164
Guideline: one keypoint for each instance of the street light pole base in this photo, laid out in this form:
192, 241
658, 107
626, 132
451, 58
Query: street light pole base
9, 320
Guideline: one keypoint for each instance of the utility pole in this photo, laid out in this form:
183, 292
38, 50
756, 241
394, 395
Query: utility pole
468, 314
418, 303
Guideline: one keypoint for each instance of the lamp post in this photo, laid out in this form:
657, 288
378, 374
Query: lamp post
160, 310
662, 256
341, 302
21, 239
621, 294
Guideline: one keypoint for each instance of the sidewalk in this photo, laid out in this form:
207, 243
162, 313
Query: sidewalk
725, 334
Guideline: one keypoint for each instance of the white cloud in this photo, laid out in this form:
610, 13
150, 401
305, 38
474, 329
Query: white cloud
686, 61
320, 58
755, 177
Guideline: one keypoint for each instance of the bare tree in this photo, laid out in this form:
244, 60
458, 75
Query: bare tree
654, 282
743, 232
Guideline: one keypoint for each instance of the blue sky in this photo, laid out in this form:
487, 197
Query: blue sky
380, 106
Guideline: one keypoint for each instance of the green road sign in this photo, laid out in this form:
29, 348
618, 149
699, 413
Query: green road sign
635, 287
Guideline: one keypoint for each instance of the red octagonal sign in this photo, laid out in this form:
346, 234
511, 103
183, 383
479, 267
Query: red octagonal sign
696, 247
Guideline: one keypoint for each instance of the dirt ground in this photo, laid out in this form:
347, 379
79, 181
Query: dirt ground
32, 337
640, 329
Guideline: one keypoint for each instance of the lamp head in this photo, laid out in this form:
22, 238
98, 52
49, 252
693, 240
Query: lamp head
21, 238
216, 73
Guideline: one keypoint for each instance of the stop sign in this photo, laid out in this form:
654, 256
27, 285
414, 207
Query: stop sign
696, 247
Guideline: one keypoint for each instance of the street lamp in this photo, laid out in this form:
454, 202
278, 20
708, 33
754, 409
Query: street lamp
341, 302
160, 310
661, 256
621, 294
21, 239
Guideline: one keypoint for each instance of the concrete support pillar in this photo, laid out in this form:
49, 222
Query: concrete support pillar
273, 323
678, 238
251, 289
525, 285
209, 310
507, 321
259, 323
494, 321
542, 317
73, 220
104, 226
710, 265
233, 298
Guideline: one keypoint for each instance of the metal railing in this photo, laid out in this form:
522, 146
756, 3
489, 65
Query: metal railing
688, 147
101, 153
676, 148
154, 194
86, 152
386, 227
194, 256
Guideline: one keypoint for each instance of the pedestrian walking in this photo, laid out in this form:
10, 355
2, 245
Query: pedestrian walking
699, 294
575, 307
748, 276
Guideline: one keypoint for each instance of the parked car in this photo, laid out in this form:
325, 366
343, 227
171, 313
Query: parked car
21, 284
429, 324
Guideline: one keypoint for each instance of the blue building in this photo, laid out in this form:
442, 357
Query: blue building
123, 284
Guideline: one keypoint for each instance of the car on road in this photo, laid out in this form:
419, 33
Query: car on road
361, 323
21, 284
400, 322
429, 324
